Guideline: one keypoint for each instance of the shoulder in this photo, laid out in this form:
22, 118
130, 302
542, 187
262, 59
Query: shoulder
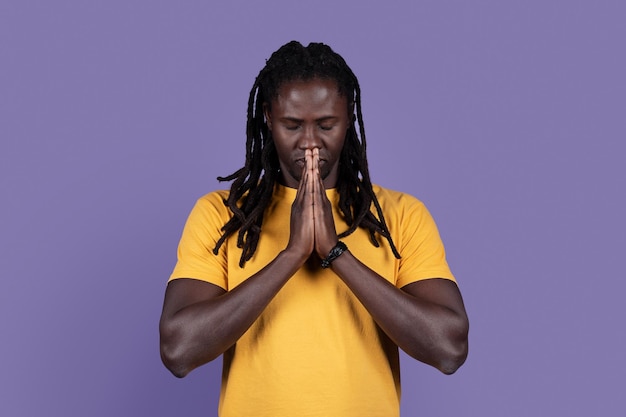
214, 198
211, 205
396, 200
402, 211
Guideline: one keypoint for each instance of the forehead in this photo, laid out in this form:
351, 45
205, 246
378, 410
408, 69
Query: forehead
309, 95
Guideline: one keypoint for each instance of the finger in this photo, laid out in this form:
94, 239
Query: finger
325, 234
316, 175
303, 184
307, 159
316, 160
307, 156
310, 163
319, 193
314, 185
308, 186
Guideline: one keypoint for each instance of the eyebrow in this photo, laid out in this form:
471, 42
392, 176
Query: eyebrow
296, 120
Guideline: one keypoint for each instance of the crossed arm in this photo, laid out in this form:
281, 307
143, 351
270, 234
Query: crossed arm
200, 321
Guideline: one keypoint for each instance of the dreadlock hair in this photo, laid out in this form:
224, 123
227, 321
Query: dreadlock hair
253, 184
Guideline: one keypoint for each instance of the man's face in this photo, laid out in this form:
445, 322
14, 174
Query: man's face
306, 115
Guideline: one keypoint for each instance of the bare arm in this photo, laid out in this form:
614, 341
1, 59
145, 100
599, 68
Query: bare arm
200, 321
427, 319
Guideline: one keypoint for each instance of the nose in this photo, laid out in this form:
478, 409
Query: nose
309, 138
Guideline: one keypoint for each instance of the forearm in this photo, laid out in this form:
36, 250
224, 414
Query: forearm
200, 332
428, 331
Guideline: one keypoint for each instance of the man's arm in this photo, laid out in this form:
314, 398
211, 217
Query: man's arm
200, 321
427, 319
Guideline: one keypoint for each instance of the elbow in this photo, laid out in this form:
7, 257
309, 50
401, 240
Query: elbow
454, 351
173, 353
180, 353
445, 355
453, 359
446, 349
173, 358
173, 362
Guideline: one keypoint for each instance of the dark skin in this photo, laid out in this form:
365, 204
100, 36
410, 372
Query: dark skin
200, 321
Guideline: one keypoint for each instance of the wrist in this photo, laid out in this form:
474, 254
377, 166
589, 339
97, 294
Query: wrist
293, 255
334, 253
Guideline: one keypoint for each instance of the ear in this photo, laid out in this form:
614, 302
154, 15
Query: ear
267, 113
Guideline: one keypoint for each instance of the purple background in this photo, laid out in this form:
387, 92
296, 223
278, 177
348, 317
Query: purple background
508, 119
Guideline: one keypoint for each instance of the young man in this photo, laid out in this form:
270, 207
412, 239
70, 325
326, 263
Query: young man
305, 276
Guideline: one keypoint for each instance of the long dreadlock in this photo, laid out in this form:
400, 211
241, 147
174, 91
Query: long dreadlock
253, 184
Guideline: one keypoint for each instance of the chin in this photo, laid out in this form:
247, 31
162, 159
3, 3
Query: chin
287, 177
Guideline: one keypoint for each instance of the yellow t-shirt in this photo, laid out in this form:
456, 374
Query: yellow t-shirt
315, 350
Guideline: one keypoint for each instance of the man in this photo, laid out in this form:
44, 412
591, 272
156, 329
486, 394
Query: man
305, 276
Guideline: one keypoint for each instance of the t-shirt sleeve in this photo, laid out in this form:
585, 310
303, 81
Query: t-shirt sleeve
202, 230
422, 251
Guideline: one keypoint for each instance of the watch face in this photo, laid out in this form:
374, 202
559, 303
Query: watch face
339, 248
